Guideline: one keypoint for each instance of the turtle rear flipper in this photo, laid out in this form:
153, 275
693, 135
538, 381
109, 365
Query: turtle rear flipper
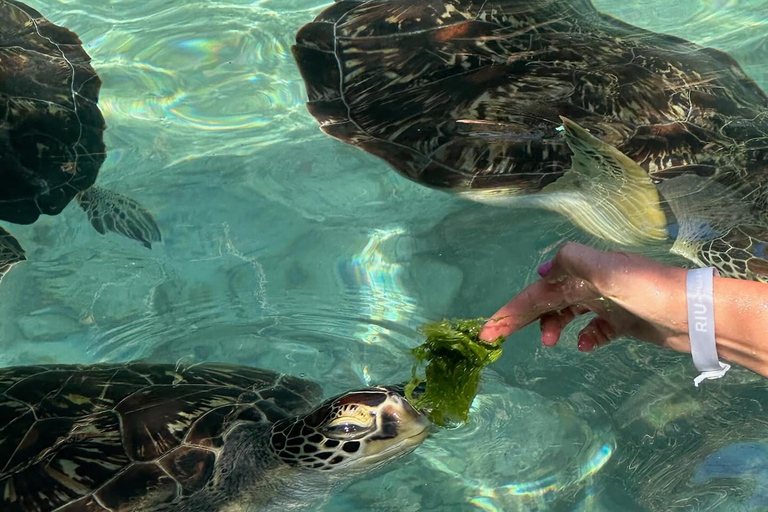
11, 252
605, 192
110, 211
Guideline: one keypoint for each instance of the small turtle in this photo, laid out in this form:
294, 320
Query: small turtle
636, 137
211, 437
51, 129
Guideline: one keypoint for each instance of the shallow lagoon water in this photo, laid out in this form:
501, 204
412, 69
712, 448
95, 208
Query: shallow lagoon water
286, 249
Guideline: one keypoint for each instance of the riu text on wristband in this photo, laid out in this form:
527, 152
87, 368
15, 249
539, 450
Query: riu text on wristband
701, 324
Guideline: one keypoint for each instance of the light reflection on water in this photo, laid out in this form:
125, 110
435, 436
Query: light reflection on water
382, 298
285, 249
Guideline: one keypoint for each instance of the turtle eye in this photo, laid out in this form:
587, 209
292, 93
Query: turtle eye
345, 429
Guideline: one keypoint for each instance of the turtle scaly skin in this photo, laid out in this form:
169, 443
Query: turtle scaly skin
157, 437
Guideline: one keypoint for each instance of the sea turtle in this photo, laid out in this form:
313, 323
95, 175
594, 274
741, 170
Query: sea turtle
51, 128
209, 437
635, 136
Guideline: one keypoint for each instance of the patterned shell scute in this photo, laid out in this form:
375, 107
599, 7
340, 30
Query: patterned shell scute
89, 437
51, 128
468, 93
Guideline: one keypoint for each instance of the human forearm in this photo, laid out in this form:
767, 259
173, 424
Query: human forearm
741, 323
741, 315
634, 296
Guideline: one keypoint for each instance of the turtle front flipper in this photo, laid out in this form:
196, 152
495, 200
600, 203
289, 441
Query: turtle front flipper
605, 192
11, 252
110, 211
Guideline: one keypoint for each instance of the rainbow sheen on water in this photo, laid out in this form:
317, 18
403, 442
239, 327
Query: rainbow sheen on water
285, 249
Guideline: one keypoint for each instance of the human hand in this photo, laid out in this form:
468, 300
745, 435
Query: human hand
631, 295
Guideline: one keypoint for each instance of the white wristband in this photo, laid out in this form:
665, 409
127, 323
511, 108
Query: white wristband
701, 324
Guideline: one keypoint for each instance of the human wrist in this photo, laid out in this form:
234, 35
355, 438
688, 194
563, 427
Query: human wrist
674, 308
740, 332
656, 294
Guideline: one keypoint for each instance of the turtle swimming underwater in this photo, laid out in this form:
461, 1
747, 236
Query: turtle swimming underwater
51, 128
636, 137
210, 437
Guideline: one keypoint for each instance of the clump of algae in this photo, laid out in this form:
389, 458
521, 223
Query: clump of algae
455, 355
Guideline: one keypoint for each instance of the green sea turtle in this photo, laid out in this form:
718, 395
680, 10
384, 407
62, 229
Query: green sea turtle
51, 145
636, 137
210, 437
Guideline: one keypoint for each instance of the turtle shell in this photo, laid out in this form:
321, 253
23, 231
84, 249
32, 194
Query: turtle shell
51, 128
106, 437
463, 94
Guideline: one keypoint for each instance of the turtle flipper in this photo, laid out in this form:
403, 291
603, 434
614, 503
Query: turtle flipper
741, 253
605, 192
717, 227
110, 211
11, 252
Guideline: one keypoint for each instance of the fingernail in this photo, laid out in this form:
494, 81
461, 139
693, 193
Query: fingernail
586, 343
545, 268
488, 335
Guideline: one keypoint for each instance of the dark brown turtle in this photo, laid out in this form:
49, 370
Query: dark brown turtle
210, 437
51, 128
635, 136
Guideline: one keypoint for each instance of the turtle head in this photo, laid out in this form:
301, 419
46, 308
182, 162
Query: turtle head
358, 429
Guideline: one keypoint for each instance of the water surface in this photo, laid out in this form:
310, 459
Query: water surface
286, 249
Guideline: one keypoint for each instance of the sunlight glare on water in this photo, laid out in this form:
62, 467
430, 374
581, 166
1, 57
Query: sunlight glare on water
285, 249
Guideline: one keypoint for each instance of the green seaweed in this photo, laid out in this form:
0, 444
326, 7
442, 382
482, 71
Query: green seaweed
455, 355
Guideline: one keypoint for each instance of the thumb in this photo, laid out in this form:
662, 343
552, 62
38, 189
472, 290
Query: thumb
572, 260
600, 269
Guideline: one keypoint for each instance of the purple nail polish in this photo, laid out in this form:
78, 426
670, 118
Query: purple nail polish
545, 268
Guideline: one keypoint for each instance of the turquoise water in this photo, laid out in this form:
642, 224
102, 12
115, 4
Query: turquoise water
288, 250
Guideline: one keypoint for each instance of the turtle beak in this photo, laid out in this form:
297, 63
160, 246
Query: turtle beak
411, 422
399, 428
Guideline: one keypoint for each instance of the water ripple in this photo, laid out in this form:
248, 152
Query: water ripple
194, 68
285, 249
519, 452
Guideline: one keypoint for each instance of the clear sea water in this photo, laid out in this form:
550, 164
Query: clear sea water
286, 249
